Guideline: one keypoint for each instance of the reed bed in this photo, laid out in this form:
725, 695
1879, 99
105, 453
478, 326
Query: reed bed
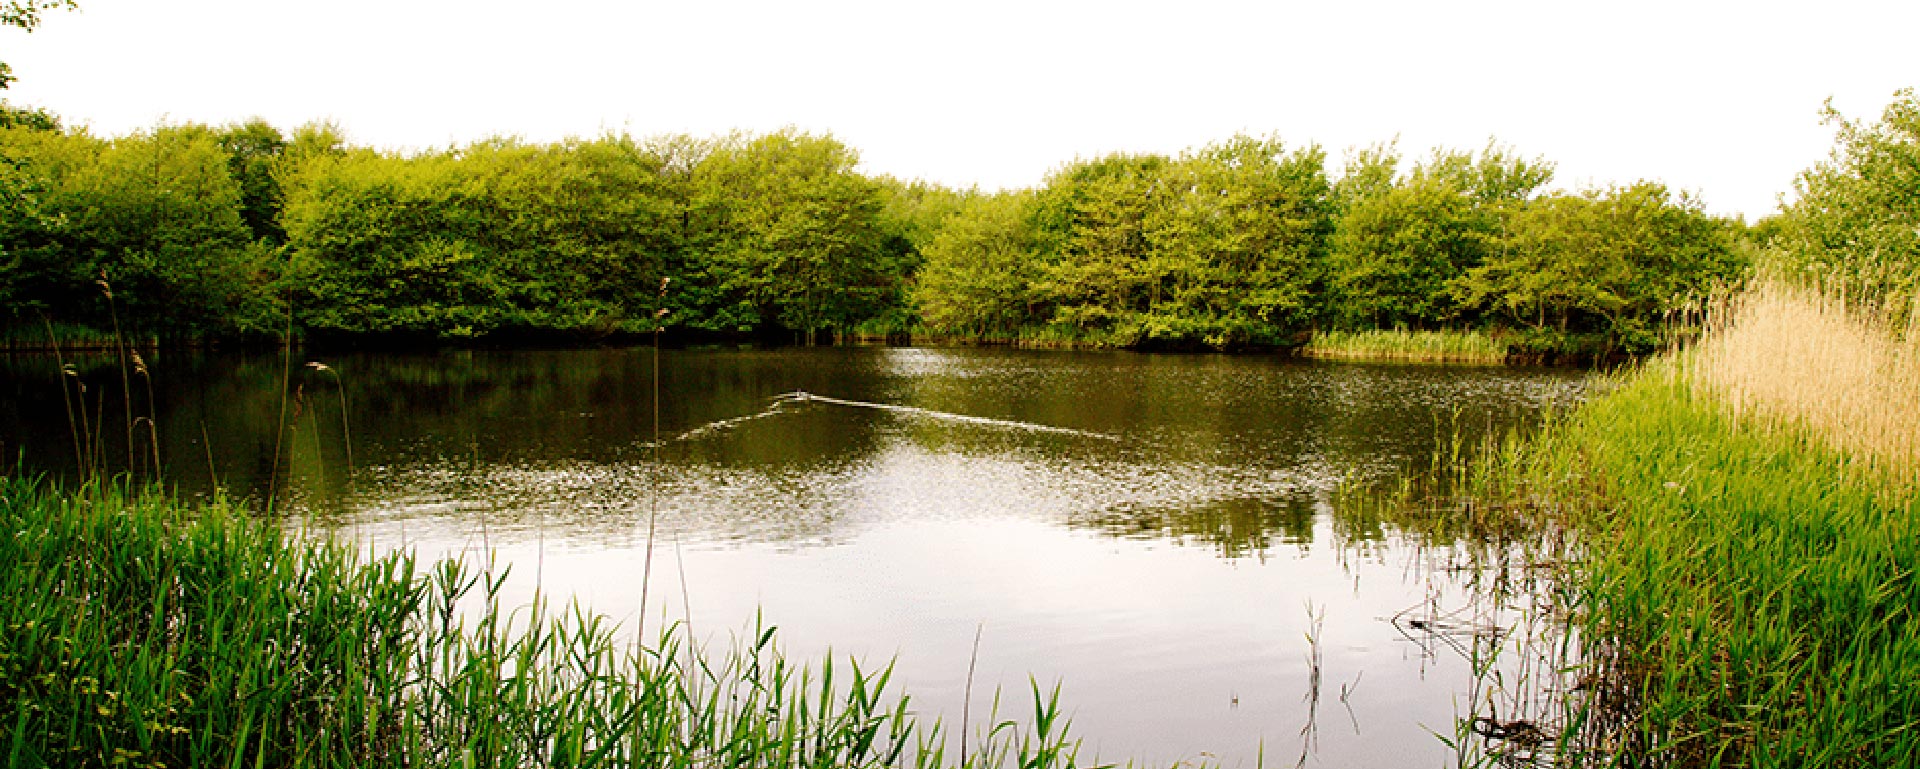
1734, 541
1745, 582
1407, 346
1784, 355
1751, 589
138, 632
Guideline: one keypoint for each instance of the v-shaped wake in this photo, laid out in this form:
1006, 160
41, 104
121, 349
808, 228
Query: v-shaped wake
807, 397
781, 401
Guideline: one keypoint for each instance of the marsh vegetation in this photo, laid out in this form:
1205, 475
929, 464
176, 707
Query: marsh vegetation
1709, 563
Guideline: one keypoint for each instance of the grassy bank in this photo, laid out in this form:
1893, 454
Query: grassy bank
1751, 541
138, 632
1407, 346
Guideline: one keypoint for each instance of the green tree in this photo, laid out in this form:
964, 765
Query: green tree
1237, 241
253, 149
25, 222
1093, 244
161, 212
154, 214
977, 280
390, 245
497, 238
1394, 255
28, 117
911, 216
1368, 173
1397, 250
1219, 248
581, 231
1855, 222
793, 236
1610, 261
1496, 175
37, 169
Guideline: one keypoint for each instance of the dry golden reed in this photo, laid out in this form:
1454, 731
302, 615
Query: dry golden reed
1787, 355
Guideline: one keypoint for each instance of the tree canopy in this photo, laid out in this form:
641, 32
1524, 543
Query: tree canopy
221, 232
1855, 223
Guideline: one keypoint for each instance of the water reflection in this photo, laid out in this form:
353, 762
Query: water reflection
1167, 575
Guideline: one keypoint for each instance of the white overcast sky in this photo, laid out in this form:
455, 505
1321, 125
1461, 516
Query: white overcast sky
1721, 99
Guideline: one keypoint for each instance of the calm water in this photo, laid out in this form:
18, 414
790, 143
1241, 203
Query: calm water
1153, 532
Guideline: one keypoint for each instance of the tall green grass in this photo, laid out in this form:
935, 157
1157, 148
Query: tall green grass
138, 632
1748, 592
1405, 345
1734, 534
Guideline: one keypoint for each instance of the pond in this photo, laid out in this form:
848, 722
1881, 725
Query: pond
1158, 534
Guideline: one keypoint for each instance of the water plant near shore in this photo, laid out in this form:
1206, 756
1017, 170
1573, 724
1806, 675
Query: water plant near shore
1714, 557
1407, 346
1746, 572
1760, 586
140, 632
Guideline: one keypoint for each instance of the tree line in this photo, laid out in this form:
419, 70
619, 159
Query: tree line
241, 232
247, 233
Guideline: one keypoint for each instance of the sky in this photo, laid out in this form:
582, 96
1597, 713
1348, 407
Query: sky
1719, 99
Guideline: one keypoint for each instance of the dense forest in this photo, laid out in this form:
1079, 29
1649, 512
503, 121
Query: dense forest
246, 233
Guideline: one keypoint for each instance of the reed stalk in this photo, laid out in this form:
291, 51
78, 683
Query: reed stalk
120, 353
153, 413
73, 426
653, 462
280, 425
346, 431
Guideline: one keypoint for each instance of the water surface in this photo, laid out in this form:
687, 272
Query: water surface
1154, 532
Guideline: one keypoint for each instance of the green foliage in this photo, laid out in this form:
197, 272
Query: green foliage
23, 213
1368, 173
253, 150
1855, 225
582, 231
911, 216
390, 245
1245, 243
501, 237
1395, 254
209, 233
977, 281
154, 215
1241, 239
498, 239
1094, 243
789, 234
1496, 175
27, 117
1749, 590
1219, 248
1613, 260
913, 213
1398, 246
